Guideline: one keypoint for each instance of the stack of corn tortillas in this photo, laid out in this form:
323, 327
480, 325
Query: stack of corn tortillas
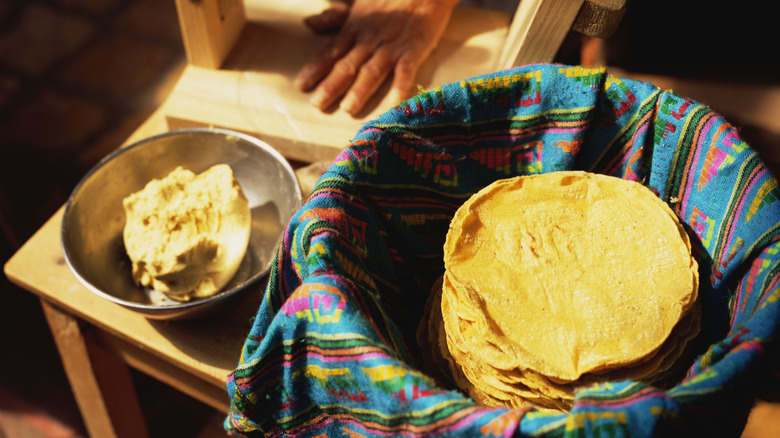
560, 280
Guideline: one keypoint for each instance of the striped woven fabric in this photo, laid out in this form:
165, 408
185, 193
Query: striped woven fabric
332, 351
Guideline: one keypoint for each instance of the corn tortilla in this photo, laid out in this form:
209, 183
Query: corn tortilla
559, 279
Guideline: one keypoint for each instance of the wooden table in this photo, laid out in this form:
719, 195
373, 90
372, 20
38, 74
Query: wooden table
98, 340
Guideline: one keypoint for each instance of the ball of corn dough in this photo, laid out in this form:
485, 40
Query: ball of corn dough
186, 234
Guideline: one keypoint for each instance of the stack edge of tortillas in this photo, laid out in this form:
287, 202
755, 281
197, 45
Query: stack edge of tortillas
557, 281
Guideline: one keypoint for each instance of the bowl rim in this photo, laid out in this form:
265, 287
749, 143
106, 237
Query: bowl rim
181, 306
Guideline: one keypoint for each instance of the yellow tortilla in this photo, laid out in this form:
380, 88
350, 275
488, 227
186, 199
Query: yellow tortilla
565, 276
517, 387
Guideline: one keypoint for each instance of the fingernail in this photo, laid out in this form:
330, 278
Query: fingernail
318, 99
395, 97
349, 104
302, 81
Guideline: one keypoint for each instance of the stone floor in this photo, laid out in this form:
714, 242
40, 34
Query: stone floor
77, 76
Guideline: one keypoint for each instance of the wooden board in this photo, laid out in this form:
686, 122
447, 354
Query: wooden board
253, 92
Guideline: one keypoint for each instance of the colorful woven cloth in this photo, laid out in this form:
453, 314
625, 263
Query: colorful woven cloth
332, 351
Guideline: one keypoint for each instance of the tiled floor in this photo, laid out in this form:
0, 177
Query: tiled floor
77, 76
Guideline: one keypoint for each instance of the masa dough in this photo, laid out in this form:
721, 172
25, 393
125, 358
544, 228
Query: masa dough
186, 234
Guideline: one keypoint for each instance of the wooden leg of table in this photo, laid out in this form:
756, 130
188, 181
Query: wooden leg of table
101, 383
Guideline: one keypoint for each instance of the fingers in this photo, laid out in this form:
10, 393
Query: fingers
379, 38
317, 69
404, 76
370, 76
359, 74
340, 78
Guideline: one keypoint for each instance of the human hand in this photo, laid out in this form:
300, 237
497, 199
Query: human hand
374, 38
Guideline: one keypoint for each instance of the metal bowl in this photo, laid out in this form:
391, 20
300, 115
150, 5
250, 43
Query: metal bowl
94, 217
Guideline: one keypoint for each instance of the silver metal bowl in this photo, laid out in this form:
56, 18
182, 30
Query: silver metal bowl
94, 217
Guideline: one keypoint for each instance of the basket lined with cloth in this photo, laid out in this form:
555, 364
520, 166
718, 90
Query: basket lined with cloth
332, 349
